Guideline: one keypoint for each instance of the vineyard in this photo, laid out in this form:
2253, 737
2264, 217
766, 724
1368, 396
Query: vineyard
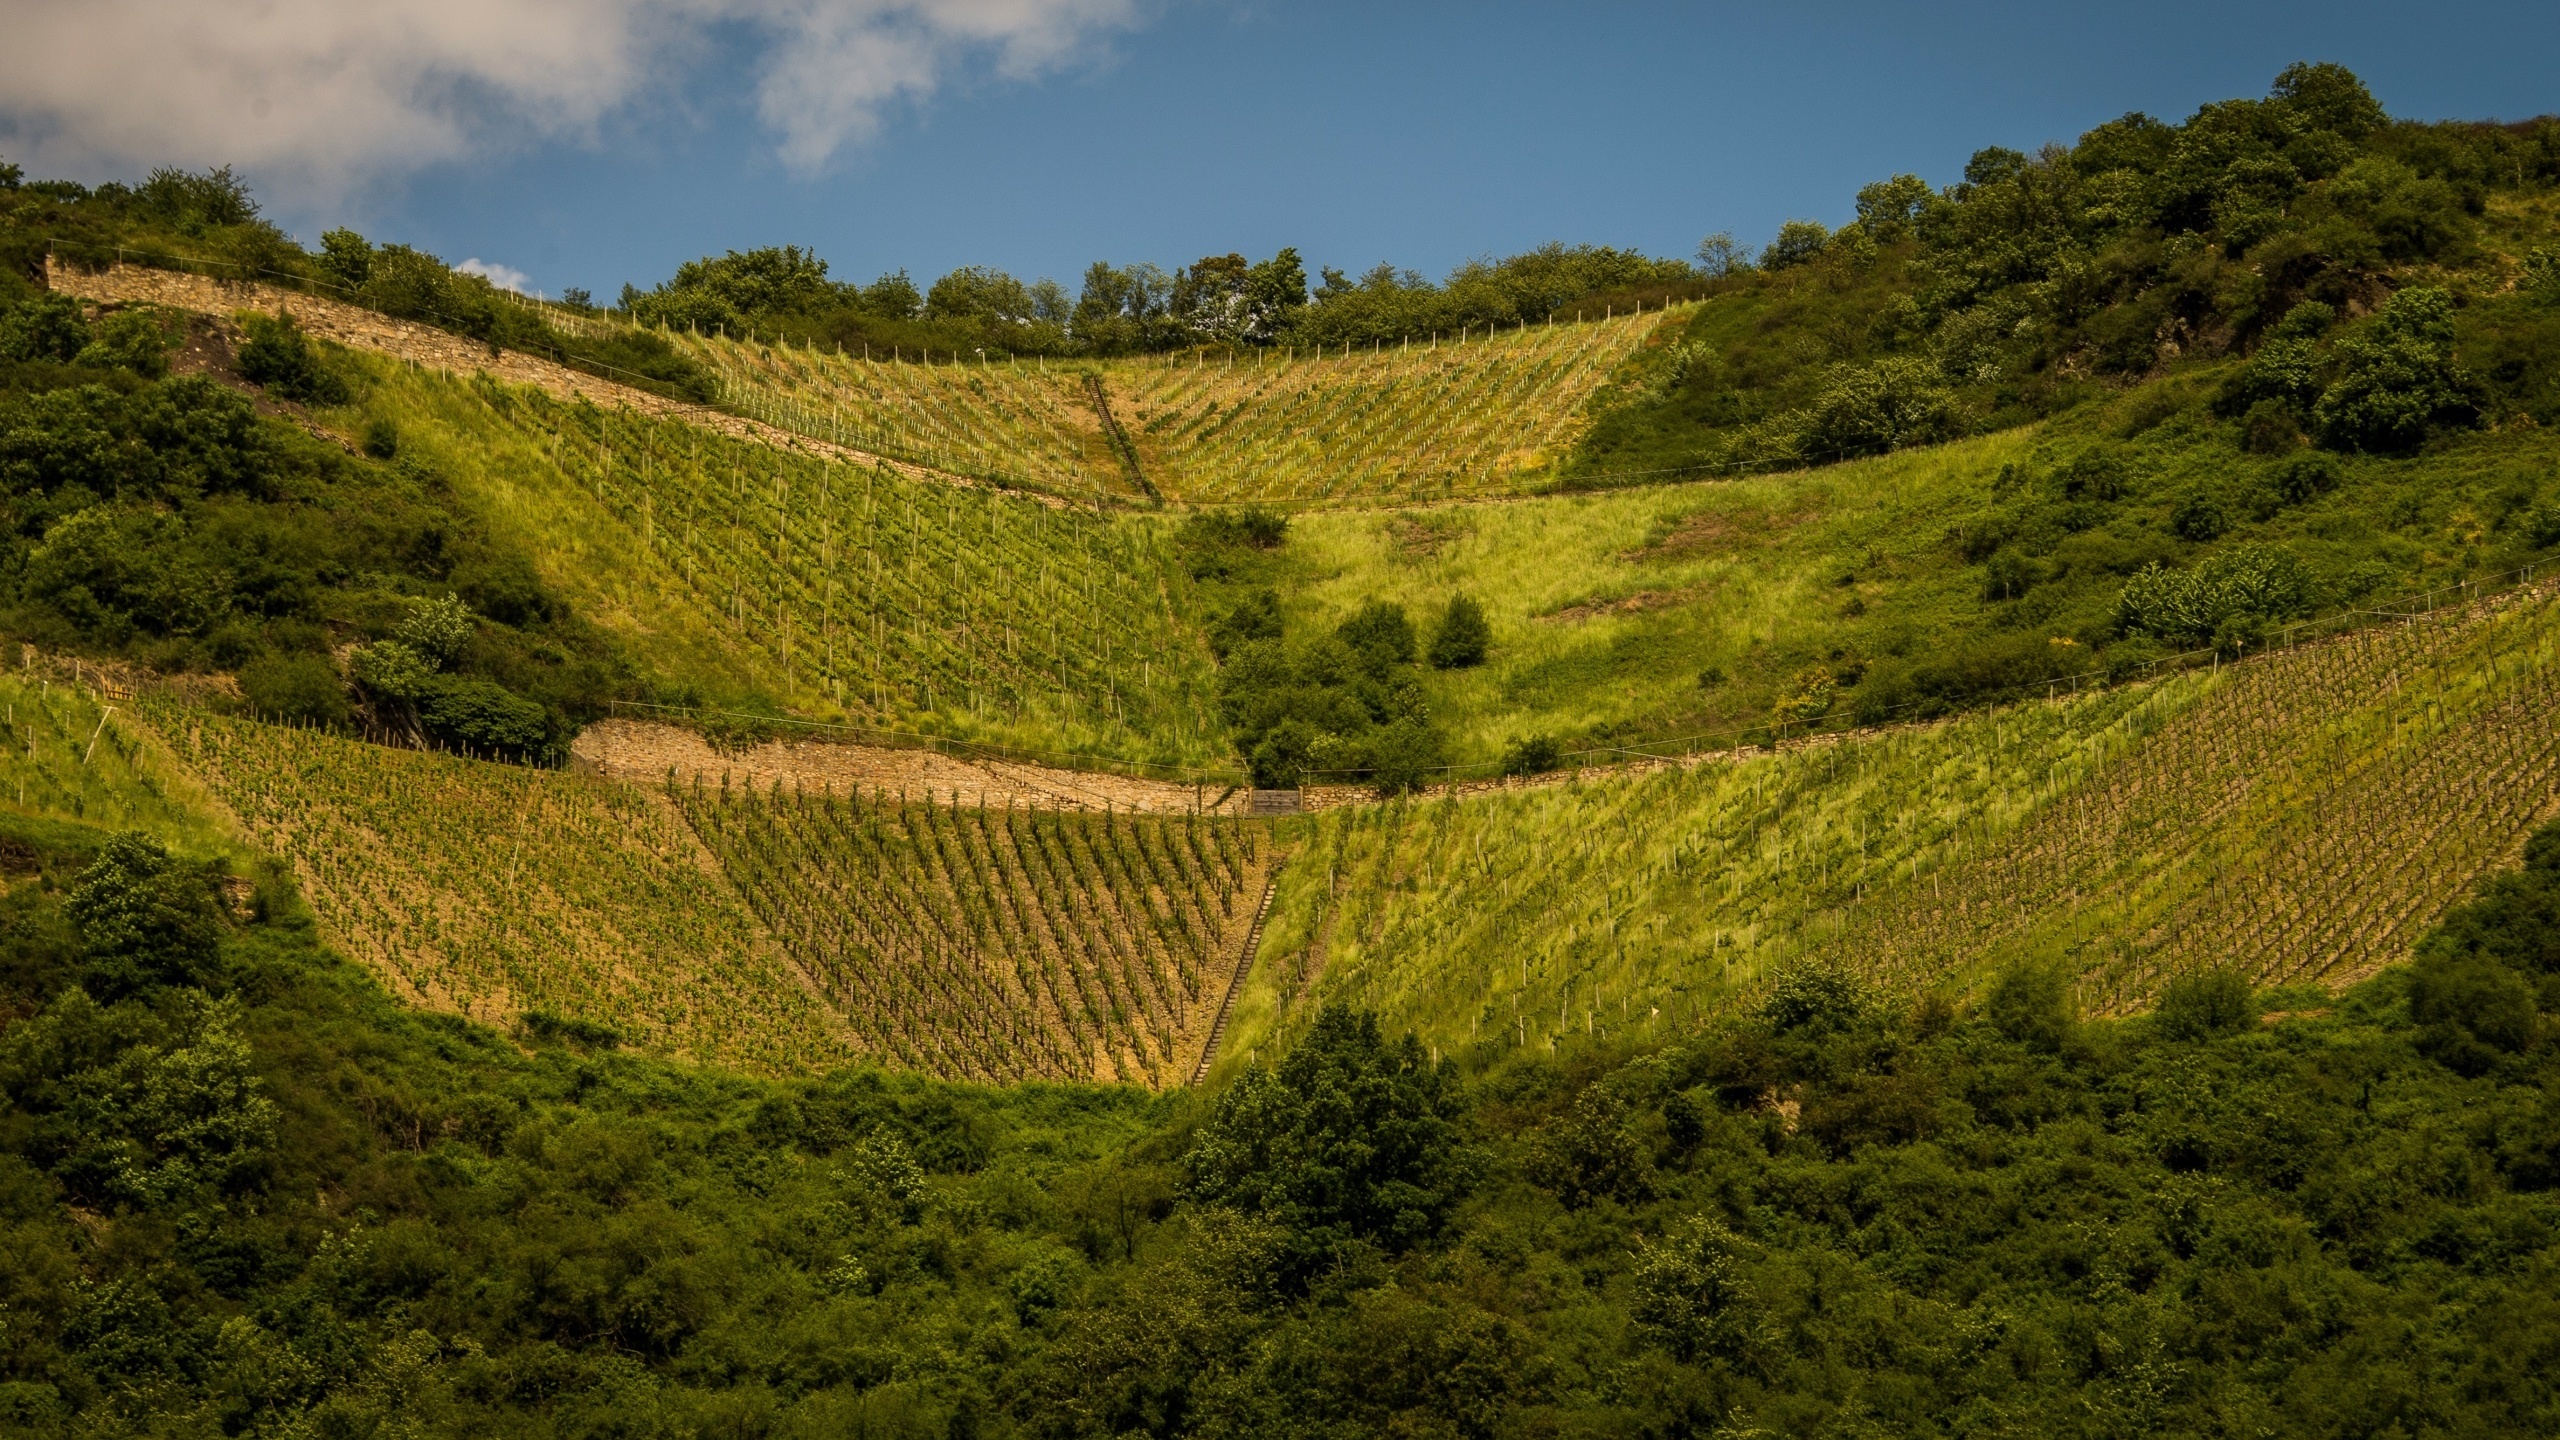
2303, 816
856, 591
1621, 904
496, 890
1478, 415
998, 945
2307, 820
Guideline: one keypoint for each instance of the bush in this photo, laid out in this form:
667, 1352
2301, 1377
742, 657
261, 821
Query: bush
144, 919
129, 340
279, 357
2397, 382
381, 439
484, 717
300, 689
2214, 1002
1531, 755
1463, 637
1380, 634
2032, 1006
47, 327
2251, 583
1871, 409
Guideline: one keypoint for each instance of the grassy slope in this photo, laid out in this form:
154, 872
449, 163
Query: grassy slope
2302, 816
62, 757
1608, 609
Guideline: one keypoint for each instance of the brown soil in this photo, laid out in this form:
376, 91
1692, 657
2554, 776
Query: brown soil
645, 753
1709, 530
1637, 603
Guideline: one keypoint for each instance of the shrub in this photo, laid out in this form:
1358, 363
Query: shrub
1871, 409
1380, 634
295, 688
2213, 1002
381, 439
1463, 637
2257, 583
1531, 755
129, 340
279, 357
485, 717
2032, 1006
2397, 382
46, 327
144, 919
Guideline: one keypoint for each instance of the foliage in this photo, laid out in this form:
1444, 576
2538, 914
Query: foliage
1351, 1140
2143, 248
144, 919
1329, 709
1462, 637
2235, 592
278, 357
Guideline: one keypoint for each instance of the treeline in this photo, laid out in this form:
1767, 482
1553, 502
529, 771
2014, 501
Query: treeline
2278, 227
1219, 300
210, 222
243, 1192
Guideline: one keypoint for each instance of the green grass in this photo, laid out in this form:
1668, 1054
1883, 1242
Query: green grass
64, 757
1653, 614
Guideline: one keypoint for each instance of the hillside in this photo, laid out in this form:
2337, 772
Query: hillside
2297, 818
1950, 830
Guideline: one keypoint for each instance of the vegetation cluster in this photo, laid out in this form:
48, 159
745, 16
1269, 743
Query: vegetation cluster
2254, 227
244, 1192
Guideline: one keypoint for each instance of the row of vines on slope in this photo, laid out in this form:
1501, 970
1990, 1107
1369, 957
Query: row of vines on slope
2306, 821
998, 945
2302, 817
966, 611
1638, 903
497, 890
1430, 421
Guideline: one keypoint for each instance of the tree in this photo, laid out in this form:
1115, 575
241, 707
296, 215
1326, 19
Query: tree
1275, 290
1463, 636
2397, 382
346, 257
1871, 409
1719, 256
1354, 1139
144, 920
1887, 208
1797, 242
47, 326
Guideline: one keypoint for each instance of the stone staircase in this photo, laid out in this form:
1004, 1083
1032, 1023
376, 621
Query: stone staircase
1244, 964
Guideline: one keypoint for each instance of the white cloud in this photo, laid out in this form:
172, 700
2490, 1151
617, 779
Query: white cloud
505, 277
319, 93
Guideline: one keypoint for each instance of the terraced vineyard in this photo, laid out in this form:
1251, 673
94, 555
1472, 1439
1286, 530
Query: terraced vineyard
1478, 415
495, 890
2305, 815
902, 602
999, 945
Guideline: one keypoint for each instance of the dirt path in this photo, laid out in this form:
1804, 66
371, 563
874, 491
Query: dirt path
643, 753
362, 329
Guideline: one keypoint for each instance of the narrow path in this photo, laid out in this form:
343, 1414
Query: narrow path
1244, 967
1121, 444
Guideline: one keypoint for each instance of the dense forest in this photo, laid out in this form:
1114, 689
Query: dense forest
245, 1193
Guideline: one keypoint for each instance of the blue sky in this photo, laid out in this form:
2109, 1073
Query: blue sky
1417, 133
